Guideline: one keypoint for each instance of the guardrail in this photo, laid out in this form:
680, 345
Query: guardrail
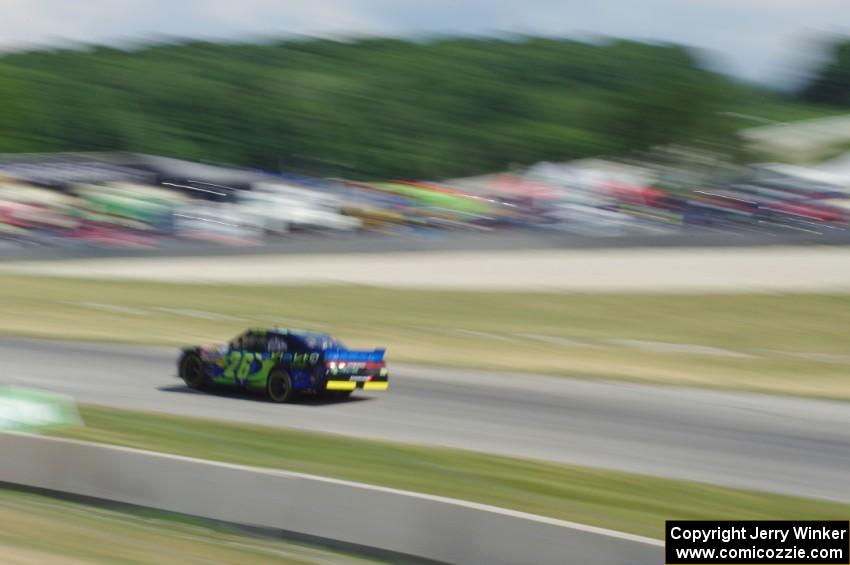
389, 520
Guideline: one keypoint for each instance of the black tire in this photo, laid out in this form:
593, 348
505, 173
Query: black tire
192, 371
279, 386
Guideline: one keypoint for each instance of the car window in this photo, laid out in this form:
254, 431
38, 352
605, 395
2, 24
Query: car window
276, 344
318, 341
256, 342
239, 341
324, 342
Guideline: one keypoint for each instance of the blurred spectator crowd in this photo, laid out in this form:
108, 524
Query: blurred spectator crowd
125, 200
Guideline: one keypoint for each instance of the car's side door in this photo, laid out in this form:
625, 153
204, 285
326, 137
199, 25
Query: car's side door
256, 360
246, 356
301, 362
227, 365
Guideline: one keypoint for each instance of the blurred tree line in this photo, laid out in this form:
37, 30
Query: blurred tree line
831, 83
368, 108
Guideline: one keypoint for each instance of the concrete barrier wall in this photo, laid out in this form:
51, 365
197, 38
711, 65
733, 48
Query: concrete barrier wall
429, 527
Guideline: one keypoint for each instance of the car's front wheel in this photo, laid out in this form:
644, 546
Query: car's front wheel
192, 371
279, 386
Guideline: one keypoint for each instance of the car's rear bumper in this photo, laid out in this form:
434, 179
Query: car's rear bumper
374, 384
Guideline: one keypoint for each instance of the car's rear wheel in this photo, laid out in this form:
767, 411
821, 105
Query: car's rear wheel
192, 371
279, 386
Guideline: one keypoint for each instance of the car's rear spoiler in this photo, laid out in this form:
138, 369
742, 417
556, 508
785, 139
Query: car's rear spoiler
349, 355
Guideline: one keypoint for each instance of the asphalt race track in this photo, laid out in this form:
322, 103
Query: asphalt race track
780, 444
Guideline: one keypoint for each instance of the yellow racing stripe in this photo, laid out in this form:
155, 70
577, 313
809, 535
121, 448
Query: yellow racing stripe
342, 385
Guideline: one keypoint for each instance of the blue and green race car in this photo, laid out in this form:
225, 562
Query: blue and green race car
283, 363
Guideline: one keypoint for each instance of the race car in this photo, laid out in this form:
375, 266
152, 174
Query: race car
282, 363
